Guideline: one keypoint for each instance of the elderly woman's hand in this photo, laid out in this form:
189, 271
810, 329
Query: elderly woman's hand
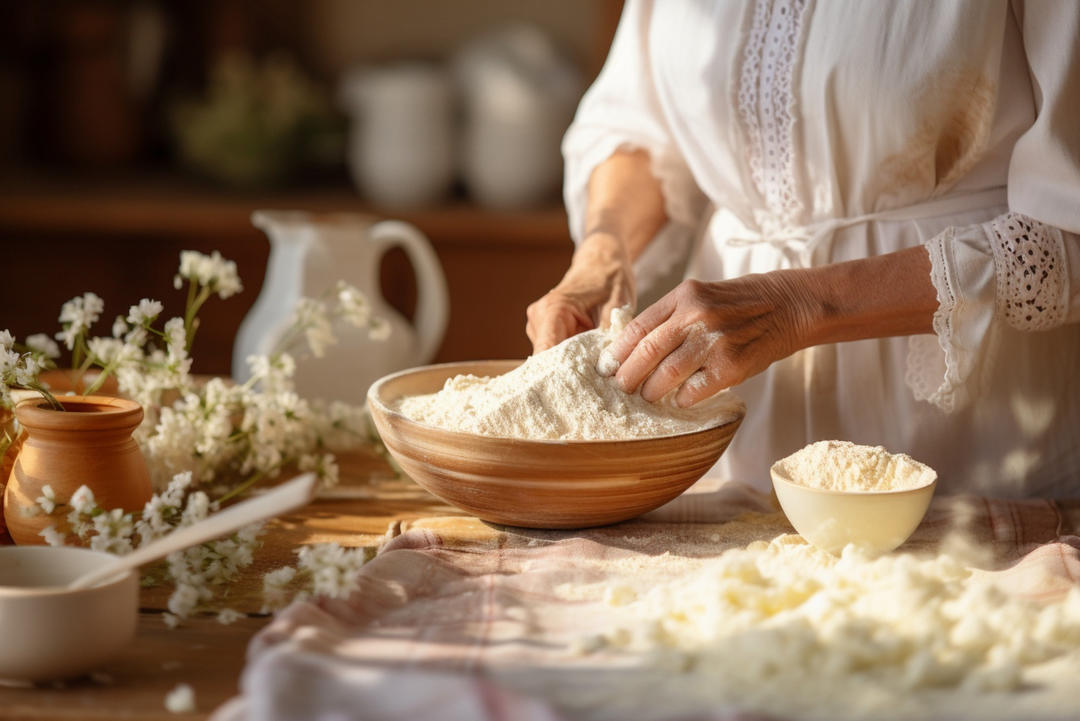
703, 337
600, 278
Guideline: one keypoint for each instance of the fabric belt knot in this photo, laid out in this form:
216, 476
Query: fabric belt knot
799, 245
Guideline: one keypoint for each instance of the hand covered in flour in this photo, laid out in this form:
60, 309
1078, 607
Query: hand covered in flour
600, 278
703, 337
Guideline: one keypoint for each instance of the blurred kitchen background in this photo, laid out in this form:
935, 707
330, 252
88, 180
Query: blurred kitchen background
133, 129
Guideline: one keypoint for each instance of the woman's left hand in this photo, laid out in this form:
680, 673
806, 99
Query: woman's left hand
704, 337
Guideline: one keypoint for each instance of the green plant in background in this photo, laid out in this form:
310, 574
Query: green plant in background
259, 122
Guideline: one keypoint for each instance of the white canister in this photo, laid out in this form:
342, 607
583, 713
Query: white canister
519, 96
401, 139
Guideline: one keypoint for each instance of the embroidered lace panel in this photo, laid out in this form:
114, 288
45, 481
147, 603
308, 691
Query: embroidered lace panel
766, 102
1029, 258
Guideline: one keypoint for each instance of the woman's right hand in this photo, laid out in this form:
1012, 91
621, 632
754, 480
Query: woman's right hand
600, 278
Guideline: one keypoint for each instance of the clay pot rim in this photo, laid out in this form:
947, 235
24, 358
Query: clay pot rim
106, 412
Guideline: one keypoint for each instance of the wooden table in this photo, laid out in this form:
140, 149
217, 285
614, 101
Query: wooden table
205, 654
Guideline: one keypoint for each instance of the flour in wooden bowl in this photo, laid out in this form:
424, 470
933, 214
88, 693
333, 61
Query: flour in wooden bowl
559, 395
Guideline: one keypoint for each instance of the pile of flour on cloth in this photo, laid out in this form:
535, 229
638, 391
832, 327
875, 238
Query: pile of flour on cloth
559, 395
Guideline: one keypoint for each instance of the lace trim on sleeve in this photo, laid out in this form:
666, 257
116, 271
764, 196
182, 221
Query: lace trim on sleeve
928, 379
1029, 259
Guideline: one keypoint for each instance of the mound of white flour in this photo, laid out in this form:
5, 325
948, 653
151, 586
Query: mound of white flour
846, 466
796, 633
559, 395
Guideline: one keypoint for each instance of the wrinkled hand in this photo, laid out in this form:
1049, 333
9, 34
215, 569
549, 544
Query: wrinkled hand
703, 337
601, 278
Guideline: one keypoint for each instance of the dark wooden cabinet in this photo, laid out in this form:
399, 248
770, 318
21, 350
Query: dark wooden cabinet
122, 239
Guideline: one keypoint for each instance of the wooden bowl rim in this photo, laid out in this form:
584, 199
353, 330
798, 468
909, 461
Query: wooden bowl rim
375, 402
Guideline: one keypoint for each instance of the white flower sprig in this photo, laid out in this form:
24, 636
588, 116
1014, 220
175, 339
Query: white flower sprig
325, 569
195, 571
19, 368
215, 440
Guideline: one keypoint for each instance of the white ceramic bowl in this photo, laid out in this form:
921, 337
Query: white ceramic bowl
48, 632
879, 521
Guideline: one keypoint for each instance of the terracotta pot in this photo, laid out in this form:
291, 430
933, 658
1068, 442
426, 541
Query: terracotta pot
88, 444
8, 430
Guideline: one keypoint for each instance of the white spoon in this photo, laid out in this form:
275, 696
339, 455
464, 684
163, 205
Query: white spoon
286, 497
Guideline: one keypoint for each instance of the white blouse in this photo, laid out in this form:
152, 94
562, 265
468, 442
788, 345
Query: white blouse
793, 133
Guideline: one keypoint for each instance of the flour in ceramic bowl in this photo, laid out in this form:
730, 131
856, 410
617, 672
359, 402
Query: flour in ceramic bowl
558, 394
849, 467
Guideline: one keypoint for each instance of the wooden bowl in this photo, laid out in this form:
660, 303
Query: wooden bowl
537, 484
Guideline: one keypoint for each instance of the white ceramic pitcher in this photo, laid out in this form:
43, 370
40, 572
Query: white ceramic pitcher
309, 254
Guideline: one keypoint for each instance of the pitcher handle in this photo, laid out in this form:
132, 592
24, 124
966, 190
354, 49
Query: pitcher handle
433, 300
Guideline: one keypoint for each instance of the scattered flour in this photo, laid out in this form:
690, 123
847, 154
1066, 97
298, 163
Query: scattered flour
897, 636
559, 394
845, 466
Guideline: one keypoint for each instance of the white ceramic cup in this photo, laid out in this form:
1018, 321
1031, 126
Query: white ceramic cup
50, 632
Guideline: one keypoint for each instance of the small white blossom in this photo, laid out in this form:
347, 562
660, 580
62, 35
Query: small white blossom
52, 536
353, 305
44, 345
275, 583
212, 271
279, 577
27, 371
324, 465
47, 500
83, 501
113, 351
333, 569
145, 312
227, 615
137, 337
311, 316
8, 360
6, 340
186, 597
77, 315
114, 529
119, 327
181, 699
196, 509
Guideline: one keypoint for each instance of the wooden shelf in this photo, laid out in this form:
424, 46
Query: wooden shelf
120, 238
165, 205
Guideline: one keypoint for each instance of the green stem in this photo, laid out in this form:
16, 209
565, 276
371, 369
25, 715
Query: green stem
49, 397
105, 371
155, 331
242, 487
190, 321
77, 353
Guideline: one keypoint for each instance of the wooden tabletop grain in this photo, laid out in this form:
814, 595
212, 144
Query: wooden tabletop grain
209, 656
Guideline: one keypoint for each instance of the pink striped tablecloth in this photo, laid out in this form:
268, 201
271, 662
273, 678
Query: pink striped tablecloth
455, 619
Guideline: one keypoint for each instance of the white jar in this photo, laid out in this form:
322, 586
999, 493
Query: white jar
519, 96
401, 139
